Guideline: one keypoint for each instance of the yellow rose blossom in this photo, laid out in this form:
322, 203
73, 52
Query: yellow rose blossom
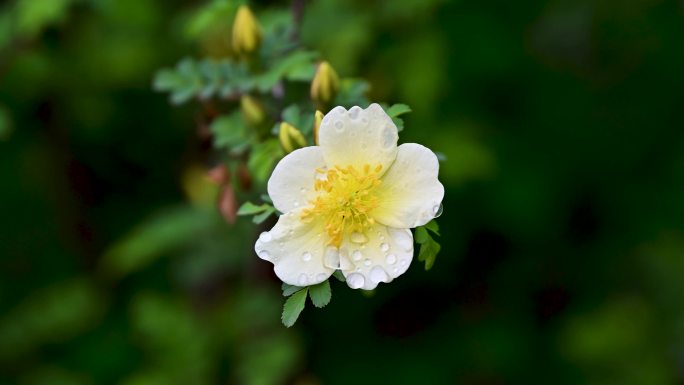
348, 203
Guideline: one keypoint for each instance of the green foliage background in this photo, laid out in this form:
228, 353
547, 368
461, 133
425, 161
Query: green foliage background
562, 239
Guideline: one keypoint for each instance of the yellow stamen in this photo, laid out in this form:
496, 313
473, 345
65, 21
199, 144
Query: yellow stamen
345, 200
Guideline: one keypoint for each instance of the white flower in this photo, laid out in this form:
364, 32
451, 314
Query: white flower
348, 204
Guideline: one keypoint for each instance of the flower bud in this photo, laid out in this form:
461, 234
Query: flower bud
246, 31
318, 118
325, 84
252, 111
290, 137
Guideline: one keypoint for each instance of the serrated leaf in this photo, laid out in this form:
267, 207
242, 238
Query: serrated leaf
293, 307
421, 235
229, 131
398, 109
320, 294
249, 208
288, 289
428, 252
399, 122
432, 226
340, 277
263, 158
258, 219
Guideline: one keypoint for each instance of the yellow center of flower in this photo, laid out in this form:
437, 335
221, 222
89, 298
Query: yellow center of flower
345, 199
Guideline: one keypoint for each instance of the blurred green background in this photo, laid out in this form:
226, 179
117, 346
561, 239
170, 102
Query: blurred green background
562, 236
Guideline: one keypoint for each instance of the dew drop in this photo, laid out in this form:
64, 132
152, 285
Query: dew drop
306, 257
391, 259
357, 255
339, 126
263, 254
354, 112
378, 274
296, 203
321, 277
303, 280
265, 237
302, 190
389, 137
367, 262
384, 247
402, 262
402, 237
331, 258
357, 237
437, 210
355, 280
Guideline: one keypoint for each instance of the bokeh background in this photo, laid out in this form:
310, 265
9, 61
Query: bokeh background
563, 228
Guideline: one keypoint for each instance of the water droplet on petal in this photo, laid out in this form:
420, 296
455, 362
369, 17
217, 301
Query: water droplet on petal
402, 237
302, 190
378, 274
367, 262
389, 136
303, 280
321, 277
355, 280
339, 126
265, 237
345, 263
295, 203
357, 255
391, 259
357, 237
437, 210
402, 262
306, 257
354, 112
263, 254
384, 247
331, 258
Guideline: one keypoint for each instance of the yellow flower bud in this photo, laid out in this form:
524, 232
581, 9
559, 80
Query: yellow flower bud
325, 84
246, 31
318, 118
290, 137
252, 111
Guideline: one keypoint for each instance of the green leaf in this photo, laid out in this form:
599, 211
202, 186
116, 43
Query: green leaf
263, 158
421, 235
352, 93
428, 252
258, 219
432, 226
399, 122
398, 109
229, 131
249, 208
293, 307
288, 289
340, 277
320, 294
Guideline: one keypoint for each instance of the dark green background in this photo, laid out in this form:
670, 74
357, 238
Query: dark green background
562, 235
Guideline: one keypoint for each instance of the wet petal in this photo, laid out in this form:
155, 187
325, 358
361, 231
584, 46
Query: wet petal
291, 184
380, 255
358, 137
410, 194
297, 250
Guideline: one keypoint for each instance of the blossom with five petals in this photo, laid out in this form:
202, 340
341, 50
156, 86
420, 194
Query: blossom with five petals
348, 204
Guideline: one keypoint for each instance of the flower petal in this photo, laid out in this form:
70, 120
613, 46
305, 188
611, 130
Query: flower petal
291, 184
410, 193
297, 250
358, 137
385, 255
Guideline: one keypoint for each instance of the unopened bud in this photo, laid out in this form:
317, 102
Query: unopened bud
290, 137
318, 118
325, 84
246, 31
252, 111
